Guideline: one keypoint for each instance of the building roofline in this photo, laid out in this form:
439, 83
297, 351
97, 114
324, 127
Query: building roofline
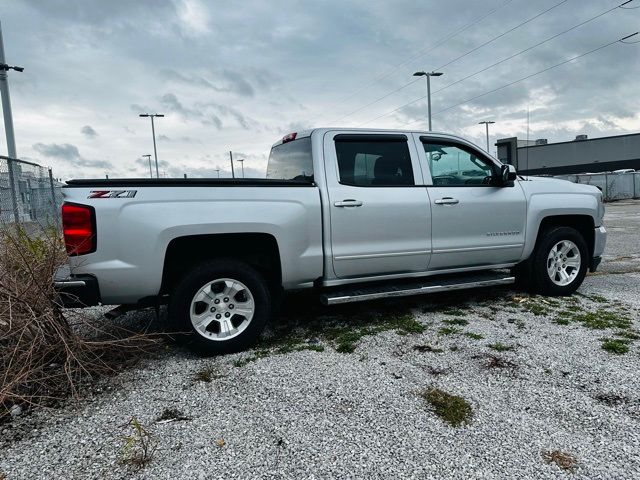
573, 141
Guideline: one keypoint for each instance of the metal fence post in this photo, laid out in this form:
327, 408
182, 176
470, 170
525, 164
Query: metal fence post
54, 205
12, 187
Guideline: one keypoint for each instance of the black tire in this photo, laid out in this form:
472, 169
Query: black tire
541, 279
183, 294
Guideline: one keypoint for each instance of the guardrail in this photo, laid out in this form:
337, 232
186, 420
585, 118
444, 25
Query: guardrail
614, 186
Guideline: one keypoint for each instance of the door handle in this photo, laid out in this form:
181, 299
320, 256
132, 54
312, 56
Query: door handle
447, 201
348, 203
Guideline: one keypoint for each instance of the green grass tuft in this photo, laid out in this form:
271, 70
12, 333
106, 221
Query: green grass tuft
453, 409
615, 345
474, 336
456, 321
448, 331
500, 347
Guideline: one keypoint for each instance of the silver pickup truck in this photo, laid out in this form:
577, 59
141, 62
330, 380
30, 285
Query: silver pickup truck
354, 214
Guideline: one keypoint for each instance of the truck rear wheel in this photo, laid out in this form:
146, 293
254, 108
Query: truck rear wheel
560, 261
220, 306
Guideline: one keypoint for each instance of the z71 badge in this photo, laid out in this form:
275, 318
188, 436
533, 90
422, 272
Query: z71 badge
112, 193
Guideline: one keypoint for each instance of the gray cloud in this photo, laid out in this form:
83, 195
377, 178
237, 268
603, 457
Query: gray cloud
69, 153
88, 131
226, 81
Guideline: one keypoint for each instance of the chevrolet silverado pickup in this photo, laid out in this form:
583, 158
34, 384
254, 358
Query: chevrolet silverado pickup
353, 214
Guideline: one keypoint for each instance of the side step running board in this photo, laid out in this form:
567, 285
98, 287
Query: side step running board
432, 286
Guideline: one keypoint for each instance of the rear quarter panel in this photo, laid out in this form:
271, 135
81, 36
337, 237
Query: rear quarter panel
133, 233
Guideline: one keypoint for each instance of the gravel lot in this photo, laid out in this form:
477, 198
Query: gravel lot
532, 369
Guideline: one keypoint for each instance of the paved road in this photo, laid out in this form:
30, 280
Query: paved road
622, 220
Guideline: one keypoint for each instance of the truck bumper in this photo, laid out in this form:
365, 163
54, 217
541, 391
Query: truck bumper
600, 240
76, 291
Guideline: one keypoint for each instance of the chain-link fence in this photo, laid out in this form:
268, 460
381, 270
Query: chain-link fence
28, 194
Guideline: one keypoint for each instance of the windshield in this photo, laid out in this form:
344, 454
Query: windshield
291, 161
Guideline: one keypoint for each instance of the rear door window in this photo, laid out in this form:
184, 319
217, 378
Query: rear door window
374, 160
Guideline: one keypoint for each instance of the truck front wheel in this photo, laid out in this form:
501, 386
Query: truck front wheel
560, 261
220, 306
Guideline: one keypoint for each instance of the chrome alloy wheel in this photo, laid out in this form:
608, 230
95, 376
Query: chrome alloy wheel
563, 262
222, 309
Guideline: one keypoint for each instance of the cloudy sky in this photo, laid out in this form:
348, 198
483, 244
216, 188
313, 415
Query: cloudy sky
237, 76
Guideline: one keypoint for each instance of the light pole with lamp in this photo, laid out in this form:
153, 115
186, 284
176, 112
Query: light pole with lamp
428, 75
153, 133
241, 160
148, 155
486, 124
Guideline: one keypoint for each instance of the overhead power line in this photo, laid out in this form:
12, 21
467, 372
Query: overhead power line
501, 35
422, 52
564, 62
532, 47
484, 69
521, 24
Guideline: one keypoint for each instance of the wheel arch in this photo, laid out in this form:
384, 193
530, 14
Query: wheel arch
584, 224
259, 250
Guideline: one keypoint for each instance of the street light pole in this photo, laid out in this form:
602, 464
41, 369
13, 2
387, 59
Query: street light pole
486, 124
8, 123
148, 155
153, 133
233, 175
241, 160
428, 75
218, 172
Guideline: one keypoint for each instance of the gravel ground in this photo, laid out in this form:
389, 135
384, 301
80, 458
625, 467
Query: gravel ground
324, 414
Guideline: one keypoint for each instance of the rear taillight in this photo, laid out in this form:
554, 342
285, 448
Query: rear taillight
79, 228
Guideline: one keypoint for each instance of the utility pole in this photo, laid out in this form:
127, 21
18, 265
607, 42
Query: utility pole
486, 124
8, 124
241, 160
233, 175
218, 172
153, 133
428, 75
148, 155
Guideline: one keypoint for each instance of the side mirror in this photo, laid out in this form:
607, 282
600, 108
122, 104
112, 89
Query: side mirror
507, 174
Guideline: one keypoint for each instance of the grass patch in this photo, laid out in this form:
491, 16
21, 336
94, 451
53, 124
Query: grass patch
346, 337
602, 319
628, 334
448, 331
565, 461
615, 345
473, 336
597, 298
453, 409
456, 321
500, 347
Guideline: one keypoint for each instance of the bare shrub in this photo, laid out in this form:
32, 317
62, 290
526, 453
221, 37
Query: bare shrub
42, 357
